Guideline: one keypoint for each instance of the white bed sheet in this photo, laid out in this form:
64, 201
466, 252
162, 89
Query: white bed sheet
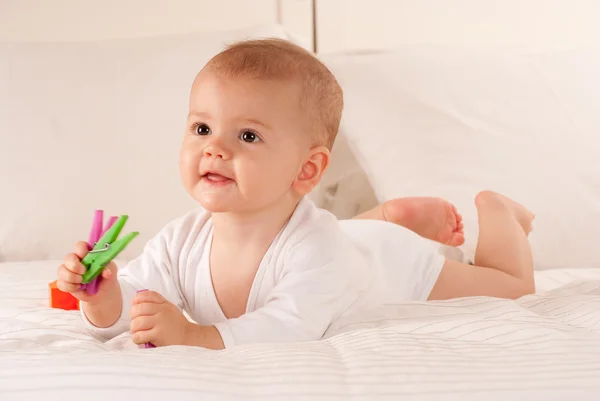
544, 346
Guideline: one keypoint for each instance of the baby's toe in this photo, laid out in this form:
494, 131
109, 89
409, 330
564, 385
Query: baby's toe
457, 239
452, 238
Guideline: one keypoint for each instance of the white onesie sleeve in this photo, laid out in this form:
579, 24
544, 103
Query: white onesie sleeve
322, 277
155, 269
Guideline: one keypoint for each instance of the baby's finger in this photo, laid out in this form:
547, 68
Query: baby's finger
73, 263
107, 274
141, 323
81, 249
65, 274
144, 336
148, 296
143, 309
67, 287
110, 271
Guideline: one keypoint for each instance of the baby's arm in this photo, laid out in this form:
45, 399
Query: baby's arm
102, 307
157, 321
105, 313
151, 270
321, 280
204, 336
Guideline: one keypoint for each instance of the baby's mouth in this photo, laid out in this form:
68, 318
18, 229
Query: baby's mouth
215, 178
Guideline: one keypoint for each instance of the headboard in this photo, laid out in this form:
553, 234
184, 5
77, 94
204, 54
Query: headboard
327, 26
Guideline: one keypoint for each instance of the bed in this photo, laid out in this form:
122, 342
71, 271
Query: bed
485, 93
543, 346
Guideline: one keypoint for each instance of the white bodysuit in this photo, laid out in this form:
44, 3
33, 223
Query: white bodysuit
316, 270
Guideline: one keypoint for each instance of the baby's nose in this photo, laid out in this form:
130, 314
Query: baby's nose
215, 148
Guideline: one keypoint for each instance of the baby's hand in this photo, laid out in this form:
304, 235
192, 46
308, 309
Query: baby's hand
71, 271
156, 320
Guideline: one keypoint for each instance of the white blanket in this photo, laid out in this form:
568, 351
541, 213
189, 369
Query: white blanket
544, 346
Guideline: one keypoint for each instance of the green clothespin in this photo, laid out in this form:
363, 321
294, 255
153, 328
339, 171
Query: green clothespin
106, 249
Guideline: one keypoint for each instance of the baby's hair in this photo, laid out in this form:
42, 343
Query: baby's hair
278, 59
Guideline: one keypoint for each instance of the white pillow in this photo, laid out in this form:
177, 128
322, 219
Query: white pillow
95, 125
344, 190
451, 122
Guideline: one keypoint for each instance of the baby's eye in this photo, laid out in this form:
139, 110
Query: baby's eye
249, 136
202, 129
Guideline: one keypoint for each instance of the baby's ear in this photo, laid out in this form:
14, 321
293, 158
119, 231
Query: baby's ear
312, 170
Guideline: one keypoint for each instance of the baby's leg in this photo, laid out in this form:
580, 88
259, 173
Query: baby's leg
503, 261
432, 218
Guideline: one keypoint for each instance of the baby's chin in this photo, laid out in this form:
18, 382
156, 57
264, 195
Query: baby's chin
216, 209
216, 204
214, 200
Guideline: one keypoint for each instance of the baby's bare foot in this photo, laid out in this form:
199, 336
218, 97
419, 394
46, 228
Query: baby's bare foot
523, 215
432, 218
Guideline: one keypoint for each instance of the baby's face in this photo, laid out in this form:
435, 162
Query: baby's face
243, 146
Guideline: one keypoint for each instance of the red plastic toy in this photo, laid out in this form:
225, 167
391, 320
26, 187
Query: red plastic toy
62, 300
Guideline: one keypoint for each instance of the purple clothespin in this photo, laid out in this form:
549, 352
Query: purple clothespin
95, 234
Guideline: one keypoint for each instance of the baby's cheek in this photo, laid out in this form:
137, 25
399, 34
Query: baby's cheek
189, 155
282, 178
189, 165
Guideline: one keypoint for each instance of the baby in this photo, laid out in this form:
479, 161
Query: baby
259, 262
